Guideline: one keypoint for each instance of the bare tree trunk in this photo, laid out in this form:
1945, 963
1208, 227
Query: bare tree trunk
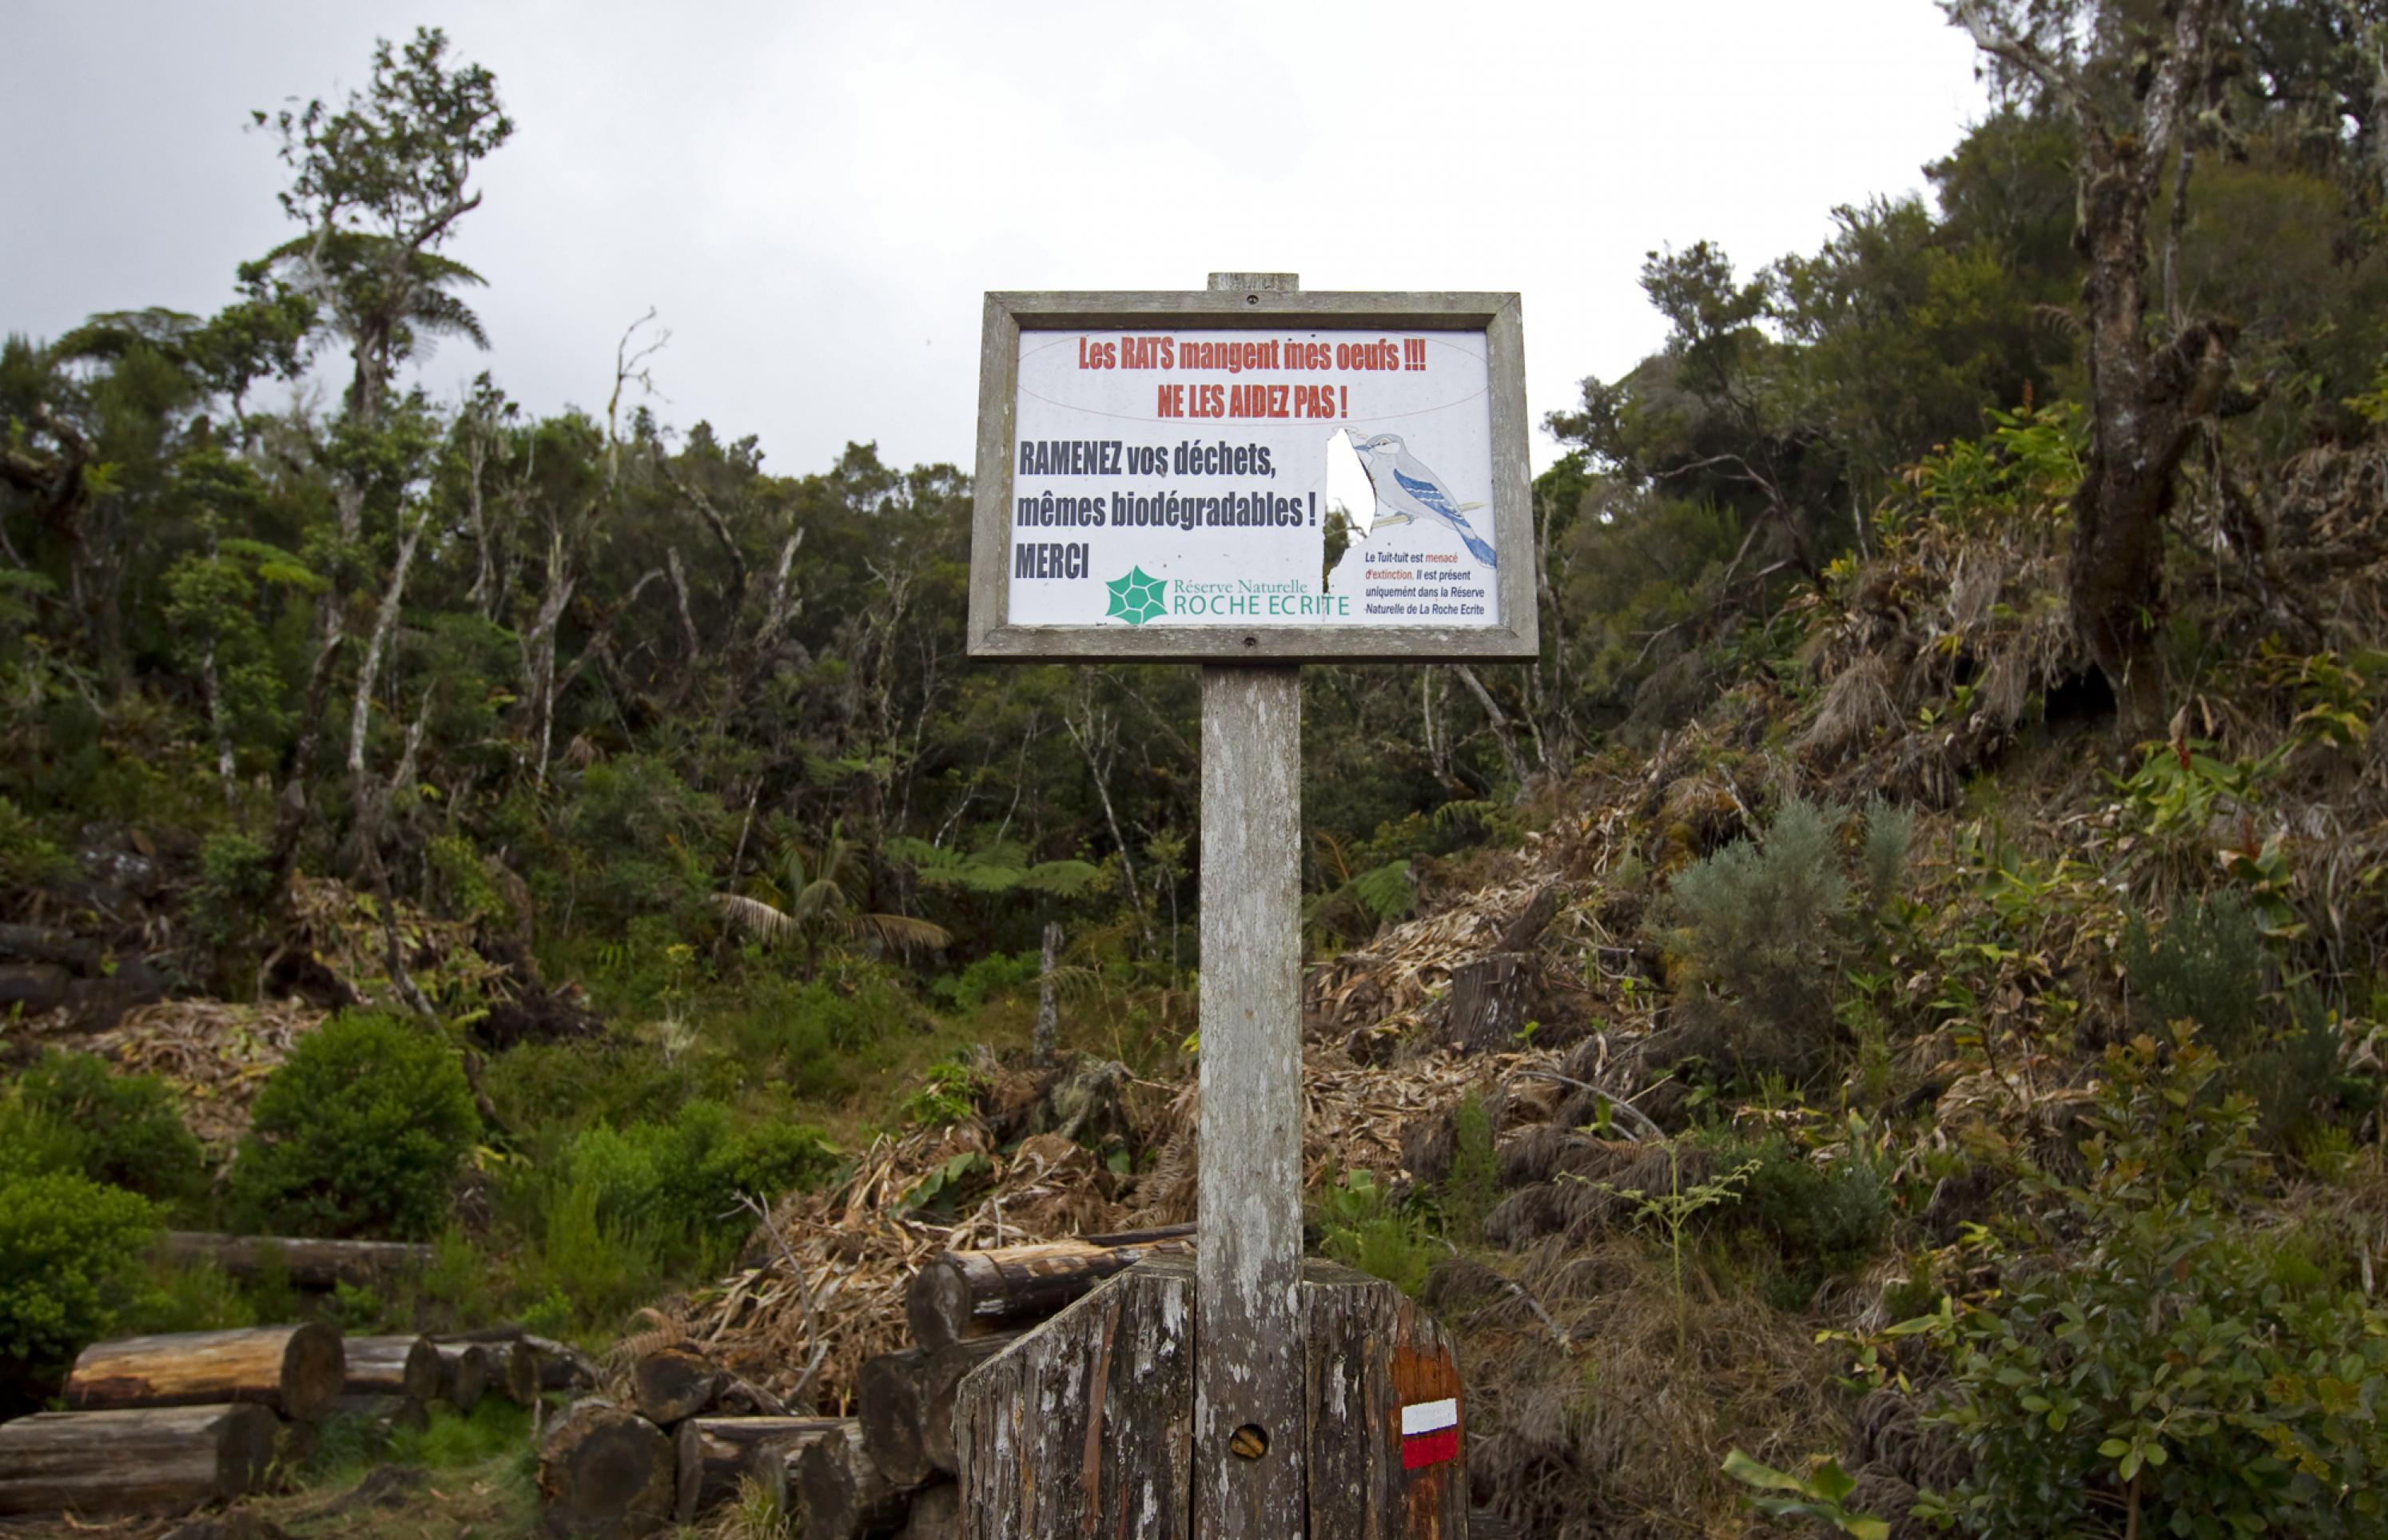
2145, 401
1502, 732
1049, 1015
1098, 766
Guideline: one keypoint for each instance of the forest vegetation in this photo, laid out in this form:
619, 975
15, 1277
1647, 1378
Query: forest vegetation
1955, 750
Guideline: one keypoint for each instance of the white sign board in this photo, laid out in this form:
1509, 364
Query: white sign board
1279, 475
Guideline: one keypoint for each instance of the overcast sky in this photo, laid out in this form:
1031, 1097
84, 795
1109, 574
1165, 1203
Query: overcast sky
813, 197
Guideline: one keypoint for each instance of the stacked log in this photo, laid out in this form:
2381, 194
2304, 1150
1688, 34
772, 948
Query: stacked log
317, 1265
403, 1367
605, 1470
295, 1370
148, 1459
463, 1373
689, 1437
959, 1295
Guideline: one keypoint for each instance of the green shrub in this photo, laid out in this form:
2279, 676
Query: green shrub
678, 1183
190, 1297
362, 1131
1808, 1223
235, 883
1473, 1185
29, 857
1761, 927
126, 1127
2208, 967
2151, 1363
69, 1264
1360, 1226
947, 1093
599, 1269
989, 977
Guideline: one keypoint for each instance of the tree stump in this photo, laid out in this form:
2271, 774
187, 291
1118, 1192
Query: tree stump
1492, 999
297, 1370
888, 1400
1086, 1425
759, 1447
674, 1382
162, 1460
407, 1367
606, 1471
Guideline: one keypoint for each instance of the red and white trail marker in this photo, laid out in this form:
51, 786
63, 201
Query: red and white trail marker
1430, 1433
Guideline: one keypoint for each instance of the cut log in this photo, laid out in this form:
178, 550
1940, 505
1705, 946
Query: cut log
887, 1400
463, 1373
405, 1367
384, 1414
514, 1370
604, 1471
297, 1370
164, 1459
939, 1385
936, 1514
834, 1493
740, 1398
715, 1454
767, 1467
958, 1295
1491, 999
671, 1383
317, 1265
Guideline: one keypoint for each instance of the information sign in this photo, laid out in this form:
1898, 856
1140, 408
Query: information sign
1263, 475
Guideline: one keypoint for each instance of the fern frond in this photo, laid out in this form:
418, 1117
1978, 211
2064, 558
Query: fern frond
756, 917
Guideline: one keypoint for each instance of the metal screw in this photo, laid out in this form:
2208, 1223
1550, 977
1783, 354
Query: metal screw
1251, 641
1252, 299
1248, 1442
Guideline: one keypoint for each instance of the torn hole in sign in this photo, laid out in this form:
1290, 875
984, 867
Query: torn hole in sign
1351, 501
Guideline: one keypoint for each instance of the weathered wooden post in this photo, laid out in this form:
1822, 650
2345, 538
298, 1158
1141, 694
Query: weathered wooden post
1245, 477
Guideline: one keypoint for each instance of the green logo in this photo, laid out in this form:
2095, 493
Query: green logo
1137, 598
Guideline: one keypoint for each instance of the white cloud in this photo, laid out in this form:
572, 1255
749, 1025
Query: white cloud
813, 196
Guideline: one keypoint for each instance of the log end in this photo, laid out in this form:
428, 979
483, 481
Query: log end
606, 1471
314, 1371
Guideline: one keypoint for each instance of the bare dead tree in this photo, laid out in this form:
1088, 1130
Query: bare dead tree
2147, 397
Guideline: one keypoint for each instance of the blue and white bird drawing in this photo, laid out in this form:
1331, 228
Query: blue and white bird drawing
1408, 493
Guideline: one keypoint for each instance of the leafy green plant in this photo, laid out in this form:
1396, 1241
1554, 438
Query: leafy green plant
2208, 965
1807, 1222
69, 1255
678, 1183
947, 1093
1473, 1185
125, 1128
2148, 1365
29, 857
235, 883
1361, 1226
1674, 1210
362, 1130
1821, 1495
943, 1188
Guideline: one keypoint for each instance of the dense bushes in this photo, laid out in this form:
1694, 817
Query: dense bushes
2150, 1355
361, 1132
122, 1130
1766, 926
682, 1179
68, 1253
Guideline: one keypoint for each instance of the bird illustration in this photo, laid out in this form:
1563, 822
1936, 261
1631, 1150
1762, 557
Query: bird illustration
1407, 491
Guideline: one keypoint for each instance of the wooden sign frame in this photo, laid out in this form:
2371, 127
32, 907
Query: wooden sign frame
1007, 315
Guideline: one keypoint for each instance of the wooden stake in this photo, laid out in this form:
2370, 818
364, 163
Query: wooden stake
1249, 1420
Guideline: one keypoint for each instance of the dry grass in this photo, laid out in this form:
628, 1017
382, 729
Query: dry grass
1620, 1434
